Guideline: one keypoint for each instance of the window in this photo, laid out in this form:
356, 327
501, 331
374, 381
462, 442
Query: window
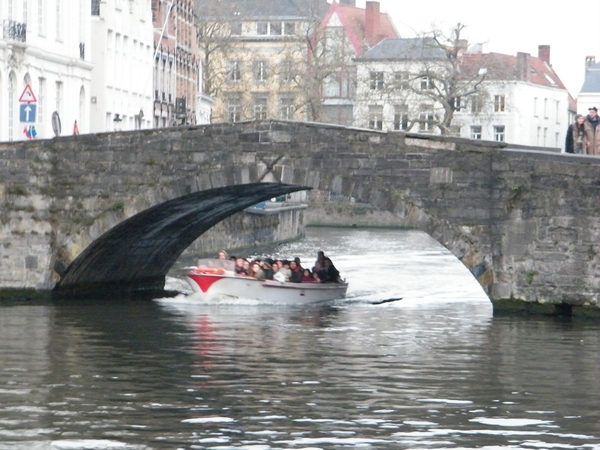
545, 137
545, 108
376, 80
275, 28
59, 94
287, 108
260, 107
376, 117
236, 28
260, 71
400, 117
426, 83
289, 28
42, 14
535, 107
499, 103
234, 72
456, 103
499, 133
59, 15
287, 72
476, 104
557, 111
426, 121
401, 80
262, 28
476, 132
234, 108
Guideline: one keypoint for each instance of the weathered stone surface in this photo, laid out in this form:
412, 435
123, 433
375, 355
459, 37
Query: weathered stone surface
529, 215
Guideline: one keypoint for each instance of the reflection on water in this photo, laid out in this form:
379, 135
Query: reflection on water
433, 370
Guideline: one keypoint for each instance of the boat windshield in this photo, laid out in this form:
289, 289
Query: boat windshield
225, 264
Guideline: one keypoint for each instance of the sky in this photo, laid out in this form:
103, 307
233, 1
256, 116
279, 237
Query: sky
572, 29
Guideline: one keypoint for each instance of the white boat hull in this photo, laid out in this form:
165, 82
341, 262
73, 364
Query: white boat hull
267, 291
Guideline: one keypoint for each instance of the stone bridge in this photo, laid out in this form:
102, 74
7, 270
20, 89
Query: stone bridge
525, 222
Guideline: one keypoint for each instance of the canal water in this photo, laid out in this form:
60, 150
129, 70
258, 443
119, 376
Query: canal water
433, 369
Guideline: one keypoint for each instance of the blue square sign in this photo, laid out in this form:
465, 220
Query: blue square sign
27, 112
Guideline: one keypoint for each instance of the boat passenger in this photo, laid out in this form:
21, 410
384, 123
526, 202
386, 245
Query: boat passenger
246, 267
320, 272
257, 270
267, 270
320, 259
332, 274
239, 267
222, 255
285, 270
296, 272
307, 277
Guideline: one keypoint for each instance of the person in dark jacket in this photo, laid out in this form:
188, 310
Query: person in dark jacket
593, 135
577, 136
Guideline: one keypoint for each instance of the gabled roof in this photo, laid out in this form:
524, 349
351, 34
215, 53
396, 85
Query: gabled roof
262, 9
522, 67
353, 20
497, 66
591, 84
402, 49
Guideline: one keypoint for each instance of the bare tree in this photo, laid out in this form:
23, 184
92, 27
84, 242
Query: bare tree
431, 75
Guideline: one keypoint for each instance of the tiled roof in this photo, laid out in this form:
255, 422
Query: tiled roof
261, 9
498, 66
523, 67
355, 19
592, 79
401, 49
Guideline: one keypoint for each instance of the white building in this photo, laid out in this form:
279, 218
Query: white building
521, 100
44, 45
122, 85
590, 91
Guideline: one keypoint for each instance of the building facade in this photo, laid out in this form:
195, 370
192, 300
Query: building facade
255, 57
346, 32
121, 87
404, 85
589, 95
176, 65
42, 50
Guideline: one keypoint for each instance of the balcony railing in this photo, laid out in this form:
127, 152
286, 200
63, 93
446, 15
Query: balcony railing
15, 31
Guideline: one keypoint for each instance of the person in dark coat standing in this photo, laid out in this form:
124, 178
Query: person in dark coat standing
593, 135
577, 136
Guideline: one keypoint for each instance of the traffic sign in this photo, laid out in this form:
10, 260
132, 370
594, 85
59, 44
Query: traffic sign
27, 95
27, 112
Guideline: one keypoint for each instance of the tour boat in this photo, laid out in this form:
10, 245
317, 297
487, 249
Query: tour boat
216, 277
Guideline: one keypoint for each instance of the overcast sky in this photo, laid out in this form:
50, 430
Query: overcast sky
571, 28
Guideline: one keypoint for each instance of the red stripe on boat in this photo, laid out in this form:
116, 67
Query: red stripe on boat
204, 281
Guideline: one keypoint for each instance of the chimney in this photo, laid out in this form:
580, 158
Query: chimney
372, 21
523, 71
461, 46
544, 53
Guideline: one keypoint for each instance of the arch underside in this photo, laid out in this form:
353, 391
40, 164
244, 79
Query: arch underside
133, 258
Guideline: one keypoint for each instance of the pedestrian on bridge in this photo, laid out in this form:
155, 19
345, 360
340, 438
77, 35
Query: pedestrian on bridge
593, 135
576, 141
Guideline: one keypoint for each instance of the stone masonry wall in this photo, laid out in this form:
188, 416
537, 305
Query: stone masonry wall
526, 223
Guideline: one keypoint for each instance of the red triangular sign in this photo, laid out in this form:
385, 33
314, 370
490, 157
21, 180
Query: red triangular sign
27, 95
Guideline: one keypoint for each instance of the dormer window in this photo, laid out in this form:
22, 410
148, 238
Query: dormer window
275, 28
